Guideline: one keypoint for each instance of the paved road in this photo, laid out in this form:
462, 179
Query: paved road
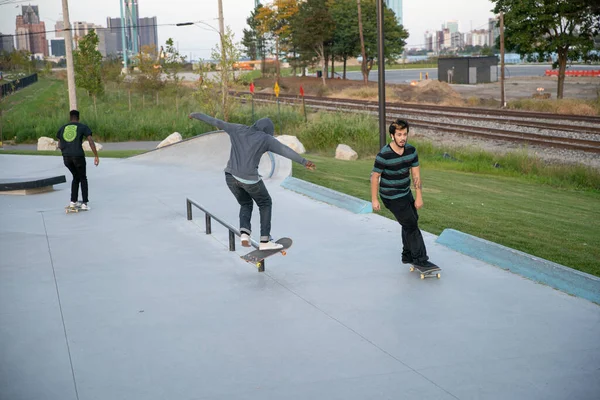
407, 75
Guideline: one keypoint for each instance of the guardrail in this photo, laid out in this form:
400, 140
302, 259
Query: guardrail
233, 232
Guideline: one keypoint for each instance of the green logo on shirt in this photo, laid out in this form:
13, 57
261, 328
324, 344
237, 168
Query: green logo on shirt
70, 133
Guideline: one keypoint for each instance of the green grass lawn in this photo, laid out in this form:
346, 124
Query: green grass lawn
561, 225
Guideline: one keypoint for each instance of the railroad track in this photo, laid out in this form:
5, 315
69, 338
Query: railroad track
590, 129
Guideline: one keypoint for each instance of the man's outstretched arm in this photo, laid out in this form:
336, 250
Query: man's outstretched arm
279, 148
225, 126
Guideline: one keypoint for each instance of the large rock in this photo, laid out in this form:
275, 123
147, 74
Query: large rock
293, 143
86, 145
172, 138
46, 143
345, 152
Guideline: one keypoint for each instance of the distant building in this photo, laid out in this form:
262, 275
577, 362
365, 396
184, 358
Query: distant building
429, 41
31, 32
493, 31
7, 43
58, 47
479, 37
107, 42
148, 32
452, 26
114, 26
396, 7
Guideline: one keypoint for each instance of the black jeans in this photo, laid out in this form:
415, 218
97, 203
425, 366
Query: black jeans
77, 167
413, 246
245, 194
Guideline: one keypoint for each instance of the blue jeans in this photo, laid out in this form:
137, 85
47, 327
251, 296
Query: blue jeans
244, 195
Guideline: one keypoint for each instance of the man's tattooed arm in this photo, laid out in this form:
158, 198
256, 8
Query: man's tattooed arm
418, 184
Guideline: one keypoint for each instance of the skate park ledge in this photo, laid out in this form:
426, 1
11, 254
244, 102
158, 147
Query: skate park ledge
327, 195
558, 276
24, 186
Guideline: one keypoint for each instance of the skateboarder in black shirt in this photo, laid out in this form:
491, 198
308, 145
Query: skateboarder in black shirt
70, 139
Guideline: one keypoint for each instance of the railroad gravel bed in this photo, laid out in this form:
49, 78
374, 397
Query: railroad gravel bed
552, 155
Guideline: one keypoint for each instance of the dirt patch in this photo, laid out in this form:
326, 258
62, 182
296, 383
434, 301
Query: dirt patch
436, 92
430, 91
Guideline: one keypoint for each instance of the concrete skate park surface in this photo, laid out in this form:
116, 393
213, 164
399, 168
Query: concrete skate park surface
132, 301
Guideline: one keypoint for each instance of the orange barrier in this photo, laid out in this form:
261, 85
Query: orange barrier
576, 73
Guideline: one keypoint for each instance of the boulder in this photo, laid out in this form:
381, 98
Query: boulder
345, 152
86, 145
293, 143
46, 143
172, 138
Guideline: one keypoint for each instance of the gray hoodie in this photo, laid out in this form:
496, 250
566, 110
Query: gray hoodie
248, 144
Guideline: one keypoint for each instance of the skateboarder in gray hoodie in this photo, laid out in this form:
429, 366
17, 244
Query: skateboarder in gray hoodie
248, 144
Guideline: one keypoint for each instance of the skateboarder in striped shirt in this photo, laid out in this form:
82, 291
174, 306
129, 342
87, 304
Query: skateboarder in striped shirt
390, 180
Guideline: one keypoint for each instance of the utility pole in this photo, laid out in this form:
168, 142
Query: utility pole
224, 71
69, 54
381, 74
502, 98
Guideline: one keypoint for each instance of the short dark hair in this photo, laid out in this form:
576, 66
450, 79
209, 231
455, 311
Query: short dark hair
398, 124
74, 114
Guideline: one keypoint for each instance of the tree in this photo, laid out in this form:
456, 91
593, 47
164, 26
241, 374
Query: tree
172, 62
87, 61
543, 27
394, 34
252, 40
345, 41
149, 80
228, 56
274, 20
313, 27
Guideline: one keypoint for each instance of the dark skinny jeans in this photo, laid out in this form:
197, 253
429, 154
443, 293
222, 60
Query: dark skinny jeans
77, 167
245, 194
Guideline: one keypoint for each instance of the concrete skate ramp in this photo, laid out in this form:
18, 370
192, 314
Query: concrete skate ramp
210, 152
131, 301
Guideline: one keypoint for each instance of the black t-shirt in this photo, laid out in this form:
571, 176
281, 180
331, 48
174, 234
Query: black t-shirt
70, 137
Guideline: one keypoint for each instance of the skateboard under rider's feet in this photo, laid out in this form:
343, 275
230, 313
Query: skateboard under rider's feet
72, 209
257, 256
428, 271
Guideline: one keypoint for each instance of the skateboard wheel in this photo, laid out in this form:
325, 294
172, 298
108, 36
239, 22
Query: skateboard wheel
283, 253
439, 276
422, 276
257, 265
412, 269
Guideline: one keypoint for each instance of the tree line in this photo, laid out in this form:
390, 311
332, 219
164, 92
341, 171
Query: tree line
322, 32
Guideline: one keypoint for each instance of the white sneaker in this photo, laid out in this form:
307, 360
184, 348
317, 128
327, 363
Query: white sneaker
245, 239
73, 204
270, 246
84, 206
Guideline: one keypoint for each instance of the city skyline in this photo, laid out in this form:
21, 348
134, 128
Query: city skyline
199, 39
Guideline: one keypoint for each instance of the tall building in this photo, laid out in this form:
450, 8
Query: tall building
479, 37
452, 26
31, 32
429, 40
148, 32
114, 27
58, 47
396, 7
82, 28
7, 43
132, 31
493, 31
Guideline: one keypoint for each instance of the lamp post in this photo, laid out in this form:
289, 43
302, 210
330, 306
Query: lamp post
381, 73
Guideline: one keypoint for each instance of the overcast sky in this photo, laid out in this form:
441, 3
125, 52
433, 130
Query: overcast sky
419, 16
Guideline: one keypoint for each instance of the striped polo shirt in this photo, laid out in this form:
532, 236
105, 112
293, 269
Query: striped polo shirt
395, 171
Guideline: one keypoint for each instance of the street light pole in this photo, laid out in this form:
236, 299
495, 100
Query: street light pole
223, 57
381, 73
69, 56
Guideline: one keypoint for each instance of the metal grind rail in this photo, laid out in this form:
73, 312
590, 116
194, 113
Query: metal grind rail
233, 232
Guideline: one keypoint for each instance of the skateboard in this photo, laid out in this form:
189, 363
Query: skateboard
427, 272
69, 209
256, 257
